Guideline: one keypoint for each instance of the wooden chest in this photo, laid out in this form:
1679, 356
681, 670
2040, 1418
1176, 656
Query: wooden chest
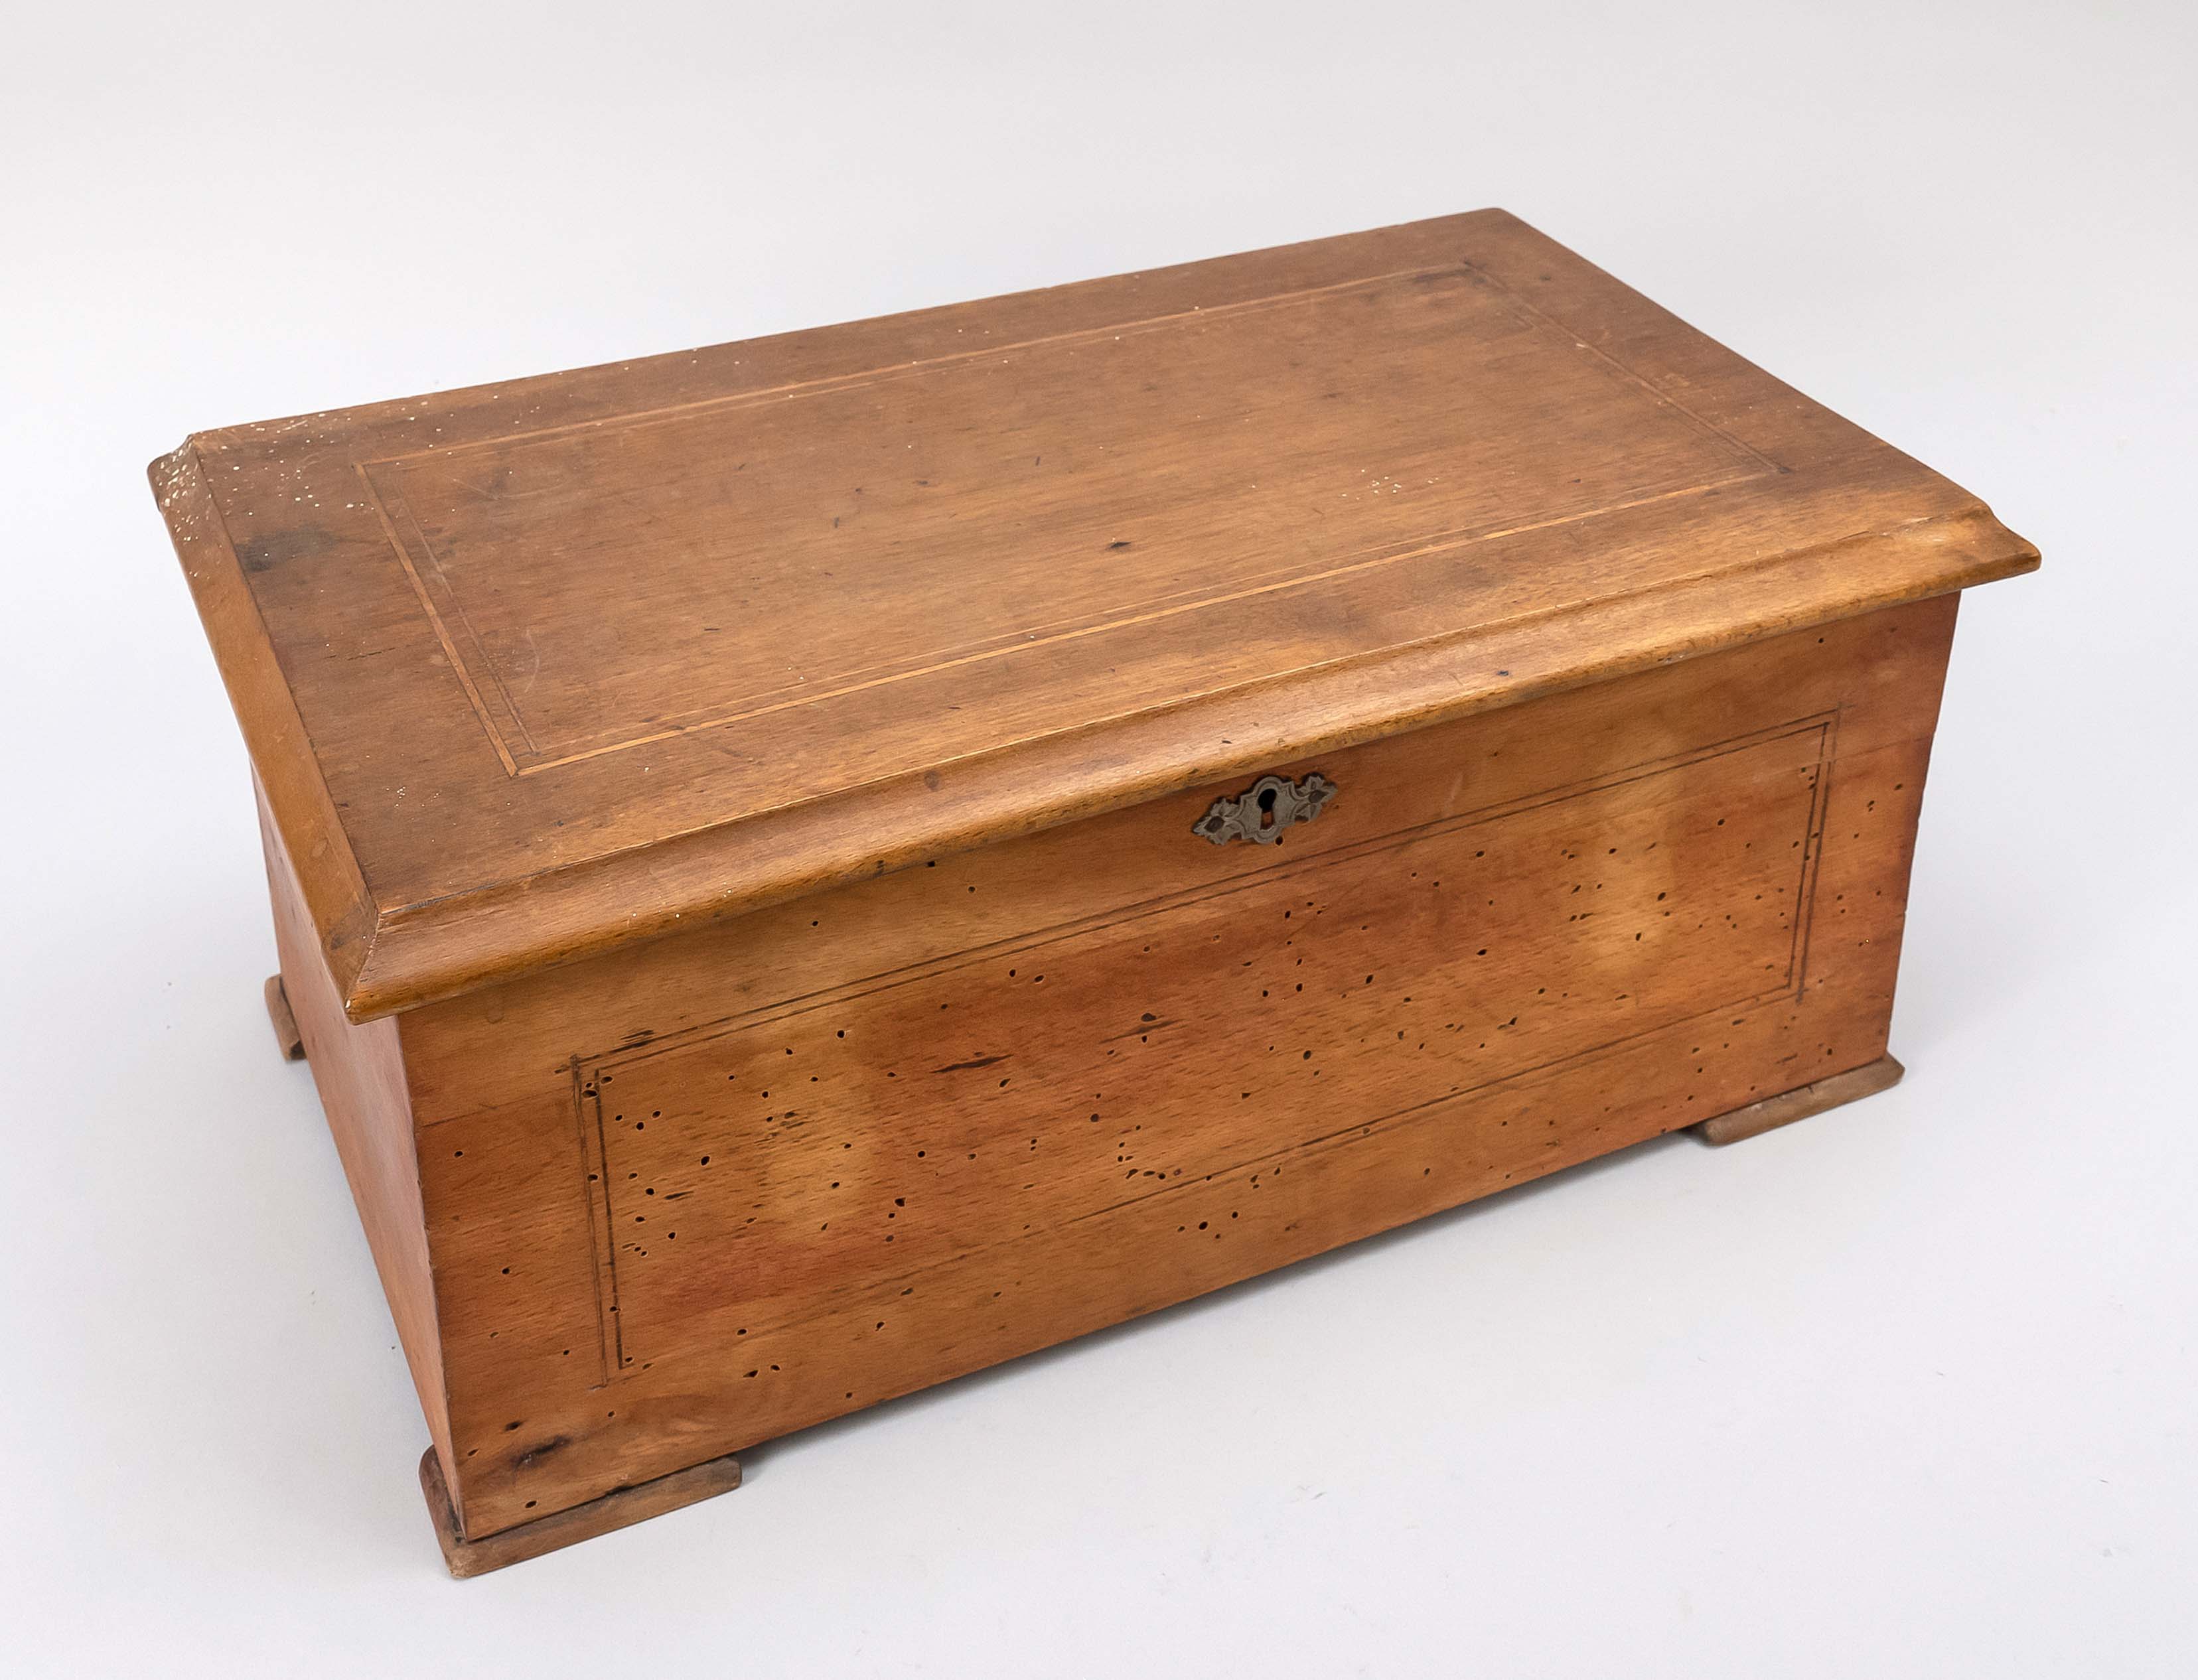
807, 867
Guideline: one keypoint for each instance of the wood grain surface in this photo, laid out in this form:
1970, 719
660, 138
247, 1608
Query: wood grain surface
1803, 1103
692, 1195
534, 671
621, 1508
364, 1088
898, 668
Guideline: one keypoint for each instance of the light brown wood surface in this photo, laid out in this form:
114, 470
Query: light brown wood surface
536, 670
619, 1508
691, 1195
363, 1085
287, 1039
1805, 1103
742, 825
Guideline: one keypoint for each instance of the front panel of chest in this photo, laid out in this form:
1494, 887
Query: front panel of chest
695, 1195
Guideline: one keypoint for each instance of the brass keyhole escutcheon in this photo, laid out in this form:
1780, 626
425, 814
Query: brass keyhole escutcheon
1263, 812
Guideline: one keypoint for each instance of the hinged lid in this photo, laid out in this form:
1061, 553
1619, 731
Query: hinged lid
536, 669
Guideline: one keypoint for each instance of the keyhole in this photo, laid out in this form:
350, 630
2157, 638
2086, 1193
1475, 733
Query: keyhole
1266, 807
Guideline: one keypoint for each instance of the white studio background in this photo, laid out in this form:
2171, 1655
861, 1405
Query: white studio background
1908, 1389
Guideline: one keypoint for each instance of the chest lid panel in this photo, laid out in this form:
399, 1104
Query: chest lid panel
532, 669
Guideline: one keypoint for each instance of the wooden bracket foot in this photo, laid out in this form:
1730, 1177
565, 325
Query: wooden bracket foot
286, 1024
619, 1508
1784, 1109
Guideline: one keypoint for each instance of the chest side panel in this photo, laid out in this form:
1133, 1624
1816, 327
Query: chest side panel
760, 1168
697, 1194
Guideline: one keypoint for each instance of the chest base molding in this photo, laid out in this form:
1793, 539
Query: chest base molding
621, 1508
